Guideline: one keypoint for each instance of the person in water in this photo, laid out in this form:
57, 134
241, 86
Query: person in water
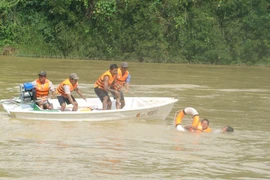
202, 126
43, 87
196, 126
227, 129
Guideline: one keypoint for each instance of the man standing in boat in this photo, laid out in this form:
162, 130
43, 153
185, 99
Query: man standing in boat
122, 80
103, 85
42, 87
64, 90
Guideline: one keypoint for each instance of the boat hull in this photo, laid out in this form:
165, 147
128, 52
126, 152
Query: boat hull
136, 108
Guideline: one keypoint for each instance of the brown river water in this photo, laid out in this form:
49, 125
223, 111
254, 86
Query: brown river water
129, 149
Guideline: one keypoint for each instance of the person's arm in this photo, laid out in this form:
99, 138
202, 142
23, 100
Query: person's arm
127, 82
53, 94
127, 87
80, 93
70, 99
34, 83
190, 128
108, 88
52, 89
115, 85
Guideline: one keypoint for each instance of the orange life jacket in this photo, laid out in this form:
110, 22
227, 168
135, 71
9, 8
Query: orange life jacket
199, 128
42, 89
100, 81
195, 116
60, 89
120, 79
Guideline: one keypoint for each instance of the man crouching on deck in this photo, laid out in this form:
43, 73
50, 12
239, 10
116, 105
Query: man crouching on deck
64, 92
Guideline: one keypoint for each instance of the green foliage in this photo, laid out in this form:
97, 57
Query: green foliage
7, 24
186, 31
245, 25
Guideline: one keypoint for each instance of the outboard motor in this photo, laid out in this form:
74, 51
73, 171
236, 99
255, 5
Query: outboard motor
28, 92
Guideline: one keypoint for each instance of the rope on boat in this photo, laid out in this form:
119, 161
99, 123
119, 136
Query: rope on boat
142, 100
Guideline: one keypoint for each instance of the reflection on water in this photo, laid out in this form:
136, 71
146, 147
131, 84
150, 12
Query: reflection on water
131, 149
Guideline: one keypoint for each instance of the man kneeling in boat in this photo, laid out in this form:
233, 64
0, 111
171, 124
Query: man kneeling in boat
42, 87
196, 126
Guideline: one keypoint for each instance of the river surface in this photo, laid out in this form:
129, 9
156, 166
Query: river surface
129, 149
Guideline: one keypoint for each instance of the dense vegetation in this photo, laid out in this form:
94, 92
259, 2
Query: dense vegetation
178, 31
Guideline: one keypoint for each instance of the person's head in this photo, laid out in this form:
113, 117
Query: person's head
42, 76
124, 67
73, 78
113, 69
227, 129
205, 124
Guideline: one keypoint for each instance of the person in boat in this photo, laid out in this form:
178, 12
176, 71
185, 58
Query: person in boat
122, 80
197, 124
103, 85
64, 91
43, 87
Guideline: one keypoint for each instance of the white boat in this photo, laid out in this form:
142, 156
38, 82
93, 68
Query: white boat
136, 108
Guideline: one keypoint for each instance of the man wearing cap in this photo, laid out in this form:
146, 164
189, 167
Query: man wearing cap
122, 80
64, 90
42, 87
103, 85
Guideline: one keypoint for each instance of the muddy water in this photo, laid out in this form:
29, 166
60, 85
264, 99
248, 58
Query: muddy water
128, 149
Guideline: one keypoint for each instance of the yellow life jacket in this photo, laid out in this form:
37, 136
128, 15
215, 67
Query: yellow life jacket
60, 89
199, 128
100, 81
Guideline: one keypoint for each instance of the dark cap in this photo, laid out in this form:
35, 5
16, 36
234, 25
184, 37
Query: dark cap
42, 73
74, 76
124, 64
